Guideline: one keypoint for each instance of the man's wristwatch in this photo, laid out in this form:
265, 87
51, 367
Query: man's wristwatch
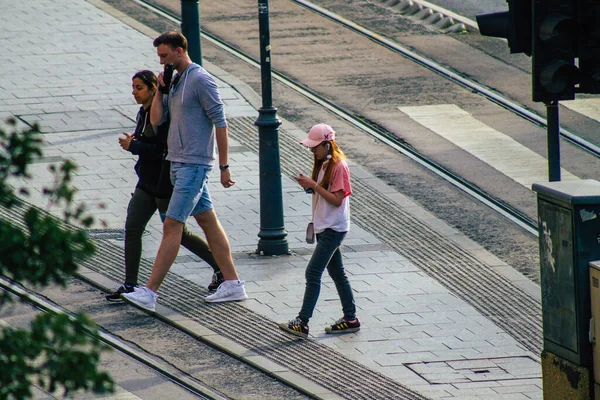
223, 167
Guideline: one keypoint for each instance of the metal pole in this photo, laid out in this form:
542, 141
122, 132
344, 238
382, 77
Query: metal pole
190, 28
553, 141
272, 232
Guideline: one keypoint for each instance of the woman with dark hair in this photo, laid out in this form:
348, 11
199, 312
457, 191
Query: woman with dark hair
153, 189
330, 186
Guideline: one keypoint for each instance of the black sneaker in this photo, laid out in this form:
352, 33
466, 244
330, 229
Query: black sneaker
116, 296
342, 325
217, 279
295, 327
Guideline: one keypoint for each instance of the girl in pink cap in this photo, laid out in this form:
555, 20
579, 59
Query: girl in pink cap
330, 186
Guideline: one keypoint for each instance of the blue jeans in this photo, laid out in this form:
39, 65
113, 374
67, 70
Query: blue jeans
327, 255
190, 191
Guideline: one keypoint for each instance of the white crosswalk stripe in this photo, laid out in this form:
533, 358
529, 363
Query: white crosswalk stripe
588, 107
500, 151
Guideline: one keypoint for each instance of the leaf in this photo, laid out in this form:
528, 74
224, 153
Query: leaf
57, 352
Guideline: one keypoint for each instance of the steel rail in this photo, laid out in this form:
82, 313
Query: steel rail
480, 195
45, 306
433, 66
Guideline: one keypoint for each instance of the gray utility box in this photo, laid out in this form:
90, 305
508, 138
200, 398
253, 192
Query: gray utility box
569, 226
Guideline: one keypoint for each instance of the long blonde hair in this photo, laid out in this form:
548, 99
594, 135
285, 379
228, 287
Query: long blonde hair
336, 156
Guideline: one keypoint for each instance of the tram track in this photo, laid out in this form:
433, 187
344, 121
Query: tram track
183, 296
178, 378
382, 135
446, 73
113, 259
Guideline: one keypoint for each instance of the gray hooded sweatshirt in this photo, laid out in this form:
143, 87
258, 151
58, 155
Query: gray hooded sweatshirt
194, 108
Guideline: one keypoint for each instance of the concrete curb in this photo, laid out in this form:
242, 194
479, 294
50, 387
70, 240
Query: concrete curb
205, 335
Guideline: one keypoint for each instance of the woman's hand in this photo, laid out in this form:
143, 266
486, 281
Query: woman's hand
335, 198
125, 141
305, 182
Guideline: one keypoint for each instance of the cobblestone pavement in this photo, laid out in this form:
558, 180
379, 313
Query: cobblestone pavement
68, 67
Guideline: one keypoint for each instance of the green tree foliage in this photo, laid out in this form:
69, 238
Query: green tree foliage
58, 352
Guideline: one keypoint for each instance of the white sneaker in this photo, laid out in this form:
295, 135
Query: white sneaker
142, 297
228, 291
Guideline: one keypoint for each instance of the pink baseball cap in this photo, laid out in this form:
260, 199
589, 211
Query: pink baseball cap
318, 134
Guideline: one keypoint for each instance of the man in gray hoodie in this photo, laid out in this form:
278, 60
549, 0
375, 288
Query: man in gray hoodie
196, 115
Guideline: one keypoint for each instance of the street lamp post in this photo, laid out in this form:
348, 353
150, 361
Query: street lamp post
272, 232
190, 28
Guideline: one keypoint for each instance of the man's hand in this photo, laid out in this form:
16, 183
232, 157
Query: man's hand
160, 79
126, 141
226, 178
161, 88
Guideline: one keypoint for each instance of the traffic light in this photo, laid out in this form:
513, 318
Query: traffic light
513, 25
555, 42
589, 46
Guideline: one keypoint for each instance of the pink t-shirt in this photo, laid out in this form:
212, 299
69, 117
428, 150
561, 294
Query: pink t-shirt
326, 215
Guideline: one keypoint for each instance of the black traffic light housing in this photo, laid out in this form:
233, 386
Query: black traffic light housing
555, 33
589, 46
555, 47
513, 25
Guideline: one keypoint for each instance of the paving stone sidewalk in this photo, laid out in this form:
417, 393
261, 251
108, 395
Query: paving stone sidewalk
69, 67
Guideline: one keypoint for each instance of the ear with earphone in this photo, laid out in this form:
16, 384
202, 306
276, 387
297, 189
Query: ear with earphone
328, 149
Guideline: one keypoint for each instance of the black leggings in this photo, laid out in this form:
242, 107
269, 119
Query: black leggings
141, 208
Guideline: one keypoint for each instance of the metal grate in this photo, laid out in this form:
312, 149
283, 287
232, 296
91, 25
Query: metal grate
481, 370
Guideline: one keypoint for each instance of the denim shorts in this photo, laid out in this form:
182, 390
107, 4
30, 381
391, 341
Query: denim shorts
190, 190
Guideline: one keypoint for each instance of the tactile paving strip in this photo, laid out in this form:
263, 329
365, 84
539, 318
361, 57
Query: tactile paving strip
328, 368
